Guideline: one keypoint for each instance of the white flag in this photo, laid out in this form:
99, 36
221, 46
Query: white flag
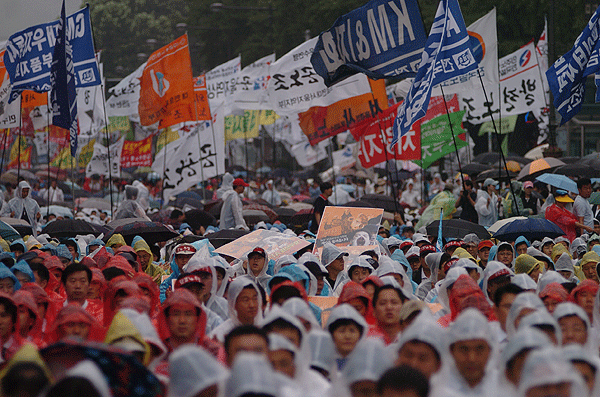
99, 164
9, 113
295, 87
90, 110
126, 96
250, 90
221, 82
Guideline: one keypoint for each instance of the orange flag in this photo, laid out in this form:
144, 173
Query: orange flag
201, 98
167, 90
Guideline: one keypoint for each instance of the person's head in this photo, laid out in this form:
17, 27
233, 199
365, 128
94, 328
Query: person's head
503, 299
518, 348
73, 321
562, 198
574, 323
76, 279
547, 372
483, 250
359, 270
239, 185
257, 259
528, 188
24, 379
285, 325
403, 381
247, 305
505, 254
490, 185
588, 264
326, 189
584, 296
387, 302
282, 355
143, 252
8, 317
183, 253
194, 372
72, 247
183, 314
25, 189
416, 350
41, 274
584, 186
346, 327
245, 338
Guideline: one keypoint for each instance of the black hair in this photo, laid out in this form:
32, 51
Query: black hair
385, 287
244, 330
324, 186
155, 249
70, 243
581, 182
73, 387
112, 272
469, 182
41, 270
505, 247
76, 267
10, 307
404, 378
506, 289
175, 214
343, 322
168, 309
24, 379
285, 292
352, 268
372, 254
281, 323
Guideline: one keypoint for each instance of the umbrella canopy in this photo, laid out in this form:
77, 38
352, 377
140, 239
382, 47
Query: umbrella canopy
497, 174
57, 210
267, 210
513, 166
205, 194
300, 197
252, 217
381, 201
21, 226
473, 169
301, 217
121, 222
10, 176
191, 199
152, 232
496, 226
537, 167
96, 202
197, 218
297, 206
580, 170
125, 374
70, 228
537, 152
285, 214
530, 228
225, 236
494, 158
559, 181
8, 233
457, 228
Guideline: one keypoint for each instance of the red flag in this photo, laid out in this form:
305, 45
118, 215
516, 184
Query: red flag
167, 91
137, 153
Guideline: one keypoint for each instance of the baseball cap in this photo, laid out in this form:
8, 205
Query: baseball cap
406, 243
185, 249
240, 182
485, 244
258, 251
562, 196
453, 244
489, 181
426, 249
188, 279
527, 184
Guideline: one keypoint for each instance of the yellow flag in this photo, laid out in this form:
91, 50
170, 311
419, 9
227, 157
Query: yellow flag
166, 136
267, 117
242, 127
63, 159
86, 153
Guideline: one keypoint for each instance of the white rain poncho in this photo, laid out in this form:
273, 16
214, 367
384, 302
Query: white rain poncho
322, 350
541, 318
144, 325
345, 311
539, 255
389, 267
524, 281
367, 362
576, 353
283, 261
130, 208
277, 313
525, 300
88, 370
492, 270
18, 204
550, 367
192, 370
251, 373
405, 290
331, 253
232, 216
549, 277
578, 247
215, 303
433, 262
426, 330
468, 264
220, 262
262, 278
226, 185
565, 263
143, 197
235, 288
567, 309
299, 308
469, 325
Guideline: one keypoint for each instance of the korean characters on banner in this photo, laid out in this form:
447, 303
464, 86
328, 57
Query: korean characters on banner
220, 81
99, 161
125, 96
201, 98
137, 154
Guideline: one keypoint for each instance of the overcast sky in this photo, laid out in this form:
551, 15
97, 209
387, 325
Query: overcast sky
16, 15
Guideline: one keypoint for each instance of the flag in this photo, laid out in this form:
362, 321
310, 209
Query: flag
567, 76
447, 54
9, 112
24, 158
64, 93
249, 92
99, 163
137, 153
125, 96
381, 39
166, 86
439, 245
221, 80
201, 98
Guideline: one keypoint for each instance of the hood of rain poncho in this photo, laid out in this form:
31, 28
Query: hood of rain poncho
6, 273
393, 242
322, 351
352, 290
130, 288
192, 369
95, 241
28, 353
556, 292
493, 252
26, 299
120, 262
299, 308
312, 287
504, 243
276, 312
571, 309
101, 256
522, 239
492, 270
88, 370
539, 255
235, 287
17, 204
63, 252
361, 261
347, 312
367, 362
596, 249
115, 239
466, 293
23, 267
283, 261
262, 278
7, 257
564, 263
139, 244
405, 290
463, 254
557, 251
182, 297
578, 353
586, 285
227, 184
578, 246
549, 366
75, 313
549, 277
593, 237
540, 318
388, 266
251, 373
426, 330
299, 274
131, 192
524, 339
121, 327
77, 248
20, 242
144, 325
468, 265
280, 342
196, 263
527, 264
331, 253
451, 277
591, 256
145, 281
33, 243
433, 262
524, 300
220, 262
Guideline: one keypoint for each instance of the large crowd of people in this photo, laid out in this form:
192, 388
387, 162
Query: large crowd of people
414, 316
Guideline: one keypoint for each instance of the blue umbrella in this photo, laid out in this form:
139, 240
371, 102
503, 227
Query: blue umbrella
559, 181
8, 233
530, 228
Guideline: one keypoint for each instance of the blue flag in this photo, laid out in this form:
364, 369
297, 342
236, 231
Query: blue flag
29, 54
64, 94
380, 39
447, 54
439, 245
567, 76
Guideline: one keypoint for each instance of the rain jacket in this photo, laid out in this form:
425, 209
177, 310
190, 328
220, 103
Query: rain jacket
130, 208
121, 327
525, 300
346, 312
26, 299
74, 313
262, 278
215, 303
18, 204
130, 288
488, 213
226, 185
252, 374
115, 239
232, 216
153, 270
564, 219
193, 370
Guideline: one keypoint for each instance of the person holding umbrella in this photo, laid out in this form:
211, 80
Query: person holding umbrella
564, 218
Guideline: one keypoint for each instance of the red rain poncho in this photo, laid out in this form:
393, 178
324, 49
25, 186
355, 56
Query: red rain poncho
129, 288
75, 314
466, 293
23, 298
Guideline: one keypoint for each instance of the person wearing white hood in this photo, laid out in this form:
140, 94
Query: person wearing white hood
347, 327
365, 365
252, 375
195, 372
226, 185
574, 325
256, 267
232, 216
487, 203
514, 355
271, 195
22, 206
85, 376
245, 307
206, 270
495, 275
333, 260
469, 370
587, 364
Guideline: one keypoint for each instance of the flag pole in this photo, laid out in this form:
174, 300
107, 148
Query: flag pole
162, 187
110, 182
332, 166
503, 159
20, 127
4, 139
462, 178
48, 151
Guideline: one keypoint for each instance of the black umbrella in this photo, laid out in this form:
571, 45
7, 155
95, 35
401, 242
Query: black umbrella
494, 158
457, 228
21, 226
215, 209
152, 232
530, 228
580, 170
497, 174
225, 236
197, 218
381, 201
284, 214
192, 199
70, 228
475, 168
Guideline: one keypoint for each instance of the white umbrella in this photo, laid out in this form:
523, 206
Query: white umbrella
496, 226
537, 152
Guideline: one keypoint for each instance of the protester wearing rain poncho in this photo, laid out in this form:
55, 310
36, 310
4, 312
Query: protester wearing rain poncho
524, 304
245, 306
469, 369
194, 371
130, 208
142, 249
207, 271
574, 324
347, 327
495, 275
252, 375
22, 206
256, 267
226, 185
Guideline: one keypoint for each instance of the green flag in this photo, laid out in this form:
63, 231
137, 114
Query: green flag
436, 138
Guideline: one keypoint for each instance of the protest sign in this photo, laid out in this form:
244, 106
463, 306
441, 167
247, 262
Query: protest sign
137, 154
275, 244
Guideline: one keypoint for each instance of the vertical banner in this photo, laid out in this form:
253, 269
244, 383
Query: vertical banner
99, 162
221, 82
201, 99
